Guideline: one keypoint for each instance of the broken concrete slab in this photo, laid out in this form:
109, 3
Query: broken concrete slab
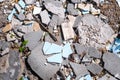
11, 36
110, 61
18, 8
33, 39
5, 51
21, 16
45, 17
80, 48
7, 28
12, 63
58, 10
25, 28
37, 10
28, 2
68, 32
92, 26
94, 53
36, 26
15, 22
94, 68
29, 16
54, 21
107, 77
77, 21
76, 1
37, 62
71, 9
79, 70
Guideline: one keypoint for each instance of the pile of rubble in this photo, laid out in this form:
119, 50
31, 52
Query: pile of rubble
59, 40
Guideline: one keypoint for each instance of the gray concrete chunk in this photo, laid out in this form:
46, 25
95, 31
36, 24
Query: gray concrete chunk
94, 52
77, 21
33, 39
80, 48
30, 1
71, 9
54, 21
112, 64
79, 70
37, 62
58, 10
94, 68
21, 16
45, 17
76, 1
107, 77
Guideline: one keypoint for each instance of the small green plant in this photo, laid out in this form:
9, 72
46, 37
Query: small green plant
22, 47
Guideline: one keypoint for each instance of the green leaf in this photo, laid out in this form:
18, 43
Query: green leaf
21, 49
21, 78
24, 43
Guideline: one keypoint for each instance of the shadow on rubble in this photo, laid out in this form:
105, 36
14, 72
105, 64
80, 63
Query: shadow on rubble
29, 68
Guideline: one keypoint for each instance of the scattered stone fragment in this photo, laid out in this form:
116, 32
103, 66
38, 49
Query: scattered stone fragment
29, 16
79, 70
71, 10
3, 68
94, 52
107, 77
58, 10
11, 36
54, 21
18, 8
37, 62
33, 39
36, 10
94, 68
21, 16
77, 21
5, 51
45, 17
25, 28
92, 26
67, 30
15, 22
80, 48
30, 1
112, 63
11, 63
76, 1
36, 26
7, 28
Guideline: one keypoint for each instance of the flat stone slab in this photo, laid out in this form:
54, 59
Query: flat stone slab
37, 62
94, 53
112, 64
79, 70
33, 39
107, 77
80, 48
13, 68
94, 68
